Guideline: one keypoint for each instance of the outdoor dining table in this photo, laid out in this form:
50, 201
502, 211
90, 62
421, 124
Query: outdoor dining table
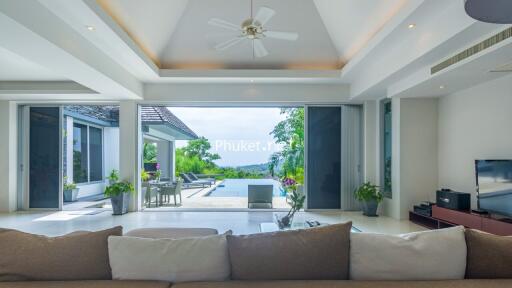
159, 184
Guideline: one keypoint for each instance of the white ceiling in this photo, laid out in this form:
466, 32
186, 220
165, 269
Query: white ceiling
351, 24
17, 68
360, 49
175, 34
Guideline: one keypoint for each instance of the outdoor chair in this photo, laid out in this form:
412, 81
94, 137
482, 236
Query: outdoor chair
171, 190
150, 190
188, 182
260, 196
195, 178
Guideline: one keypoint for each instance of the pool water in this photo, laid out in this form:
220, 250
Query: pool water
239, 187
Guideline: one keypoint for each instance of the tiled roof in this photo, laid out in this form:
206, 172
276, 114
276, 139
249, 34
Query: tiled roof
151, 115
103, 113
155, 115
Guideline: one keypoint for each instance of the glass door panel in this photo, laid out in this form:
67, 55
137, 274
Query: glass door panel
324, 157
44, 158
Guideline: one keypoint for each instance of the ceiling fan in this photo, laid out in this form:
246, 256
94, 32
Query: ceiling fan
252, 29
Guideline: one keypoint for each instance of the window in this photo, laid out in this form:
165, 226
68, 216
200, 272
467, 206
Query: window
87, 153
96, 158
80, 166
386, 149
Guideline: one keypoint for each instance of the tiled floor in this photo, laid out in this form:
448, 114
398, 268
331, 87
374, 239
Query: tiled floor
58, 223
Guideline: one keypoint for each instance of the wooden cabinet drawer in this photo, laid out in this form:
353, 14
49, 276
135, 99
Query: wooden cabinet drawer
496, 227
457, 217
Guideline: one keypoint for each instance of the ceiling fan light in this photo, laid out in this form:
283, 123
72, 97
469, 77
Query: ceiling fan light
490, 11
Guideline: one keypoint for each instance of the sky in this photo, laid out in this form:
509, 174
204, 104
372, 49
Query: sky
241, 136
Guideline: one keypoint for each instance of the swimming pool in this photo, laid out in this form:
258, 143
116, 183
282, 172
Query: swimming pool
238, 187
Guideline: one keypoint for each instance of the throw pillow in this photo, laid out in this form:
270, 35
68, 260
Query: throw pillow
489, 256
309, 254
76, 256
173, 260
428, 255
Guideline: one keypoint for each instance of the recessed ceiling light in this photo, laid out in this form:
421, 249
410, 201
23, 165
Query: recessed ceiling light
252, 80
90, 28
441, 87
411, 26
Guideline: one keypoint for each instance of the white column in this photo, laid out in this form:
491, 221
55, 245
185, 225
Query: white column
8, 156
370, 142
163, 157
129, 152
172, 150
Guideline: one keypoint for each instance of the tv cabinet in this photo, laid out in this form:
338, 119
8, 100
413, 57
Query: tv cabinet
443, 218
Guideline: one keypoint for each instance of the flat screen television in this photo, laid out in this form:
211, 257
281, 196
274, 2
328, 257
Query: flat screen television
494, 186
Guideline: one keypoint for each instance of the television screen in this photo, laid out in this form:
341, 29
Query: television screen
494, 186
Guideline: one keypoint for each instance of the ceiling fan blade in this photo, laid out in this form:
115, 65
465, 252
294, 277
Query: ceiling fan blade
290, 36
259, 48
227, 44
223, 24
263, 15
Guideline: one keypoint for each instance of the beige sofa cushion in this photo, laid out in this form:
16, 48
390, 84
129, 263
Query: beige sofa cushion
309, 254
352, 284
76, 256
172, 233
426, 255
173, 260
489, 256
86, 284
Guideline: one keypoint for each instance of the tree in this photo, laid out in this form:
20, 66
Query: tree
149, 153
289, 133
199, 148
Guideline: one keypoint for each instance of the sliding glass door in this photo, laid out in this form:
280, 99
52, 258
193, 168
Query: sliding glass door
334, 156
323, 157
42, 148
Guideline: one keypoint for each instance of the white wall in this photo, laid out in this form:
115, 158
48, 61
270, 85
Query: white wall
8, 156
474, 124
418, 151
90, 189
111, 149
414, 155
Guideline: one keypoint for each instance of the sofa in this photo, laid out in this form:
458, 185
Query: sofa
316, 257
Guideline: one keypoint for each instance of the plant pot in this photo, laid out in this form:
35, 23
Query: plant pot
120, 203
71, 195
370, 208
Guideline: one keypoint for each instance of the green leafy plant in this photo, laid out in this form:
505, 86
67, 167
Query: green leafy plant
119, 188
144, 175
158, 174
290, 134
68, 185
295, 198
113, 176
368, 192
149, 152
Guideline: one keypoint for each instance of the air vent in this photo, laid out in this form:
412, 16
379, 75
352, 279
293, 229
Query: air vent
491, 41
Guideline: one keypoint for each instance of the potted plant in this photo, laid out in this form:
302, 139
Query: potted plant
70, 191
295, 198
119, 194
370, 197
158, 174
113, 177
144, 175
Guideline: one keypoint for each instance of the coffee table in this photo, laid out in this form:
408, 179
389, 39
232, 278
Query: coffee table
272, 227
